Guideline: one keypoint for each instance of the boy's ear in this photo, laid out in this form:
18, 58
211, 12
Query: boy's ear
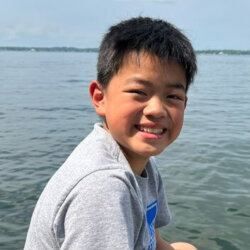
97, 97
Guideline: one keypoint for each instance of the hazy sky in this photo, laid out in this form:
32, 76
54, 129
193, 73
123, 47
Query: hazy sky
210, 24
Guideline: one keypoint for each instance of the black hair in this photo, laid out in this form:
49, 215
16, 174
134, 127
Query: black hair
154, 36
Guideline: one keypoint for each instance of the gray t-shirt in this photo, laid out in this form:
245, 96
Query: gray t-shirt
95, 201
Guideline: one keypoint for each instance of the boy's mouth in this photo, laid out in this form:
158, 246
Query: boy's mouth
150, 130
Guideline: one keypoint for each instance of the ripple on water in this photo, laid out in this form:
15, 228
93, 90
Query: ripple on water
46, 112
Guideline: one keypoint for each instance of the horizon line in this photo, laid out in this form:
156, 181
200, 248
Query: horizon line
76, 49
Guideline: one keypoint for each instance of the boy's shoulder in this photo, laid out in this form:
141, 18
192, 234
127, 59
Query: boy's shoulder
98, 155
98, 151
97, 158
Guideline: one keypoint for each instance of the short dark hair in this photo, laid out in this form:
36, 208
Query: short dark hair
154, 36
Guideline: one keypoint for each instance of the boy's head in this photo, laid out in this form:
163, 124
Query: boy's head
143, 34
144, 69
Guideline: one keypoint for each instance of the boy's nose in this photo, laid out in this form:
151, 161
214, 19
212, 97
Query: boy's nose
155, 108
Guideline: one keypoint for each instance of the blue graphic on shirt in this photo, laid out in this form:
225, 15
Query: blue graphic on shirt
151, 215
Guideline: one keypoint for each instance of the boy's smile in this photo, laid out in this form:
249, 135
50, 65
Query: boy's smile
151, 130
143, 106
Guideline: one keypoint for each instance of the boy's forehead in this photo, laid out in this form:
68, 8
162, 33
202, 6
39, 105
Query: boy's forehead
140, 58
148, 65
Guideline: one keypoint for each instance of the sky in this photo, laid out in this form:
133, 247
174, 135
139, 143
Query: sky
210, 24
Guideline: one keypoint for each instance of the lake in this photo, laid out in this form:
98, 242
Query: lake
45, 111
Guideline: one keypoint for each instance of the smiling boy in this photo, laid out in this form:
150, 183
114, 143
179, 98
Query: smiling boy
109, 194
143, 106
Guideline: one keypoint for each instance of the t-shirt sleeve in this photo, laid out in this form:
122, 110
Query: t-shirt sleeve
163, 215
102, 212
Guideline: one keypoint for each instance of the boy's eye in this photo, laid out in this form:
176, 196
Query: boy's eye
137, 91
175, 97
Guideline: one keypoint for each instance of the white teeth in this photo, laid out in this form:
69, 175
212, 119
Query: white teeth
152, 130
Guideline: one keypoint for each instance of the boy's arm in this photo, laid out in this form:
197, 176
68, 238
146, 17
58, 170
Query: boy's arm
160, 243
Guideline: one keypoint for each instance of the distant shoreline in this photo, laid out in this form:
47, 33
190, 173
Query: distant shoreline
95, 50
48, 49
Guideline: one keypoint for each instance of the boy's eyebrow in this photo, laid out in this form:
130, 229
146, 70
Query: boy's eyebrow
177, 86
139, 80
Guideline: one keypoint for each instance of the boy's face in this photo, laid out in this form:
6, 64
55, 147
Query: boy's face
144, 105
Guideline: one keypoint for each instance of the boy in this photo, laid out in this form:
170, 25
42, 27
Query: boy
109, 194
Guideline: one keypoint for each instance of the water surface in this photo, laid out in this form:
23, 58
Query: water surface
45, 111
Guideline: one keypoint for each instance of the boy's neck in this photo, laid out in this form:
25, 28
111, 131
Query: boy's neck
137, 164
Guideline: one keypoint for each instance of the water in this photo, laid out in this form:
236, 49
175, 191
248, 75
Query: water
45, 112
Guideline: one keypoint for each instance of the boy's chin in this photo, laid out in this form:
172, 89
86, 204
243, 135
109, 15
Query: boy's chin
150, 152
